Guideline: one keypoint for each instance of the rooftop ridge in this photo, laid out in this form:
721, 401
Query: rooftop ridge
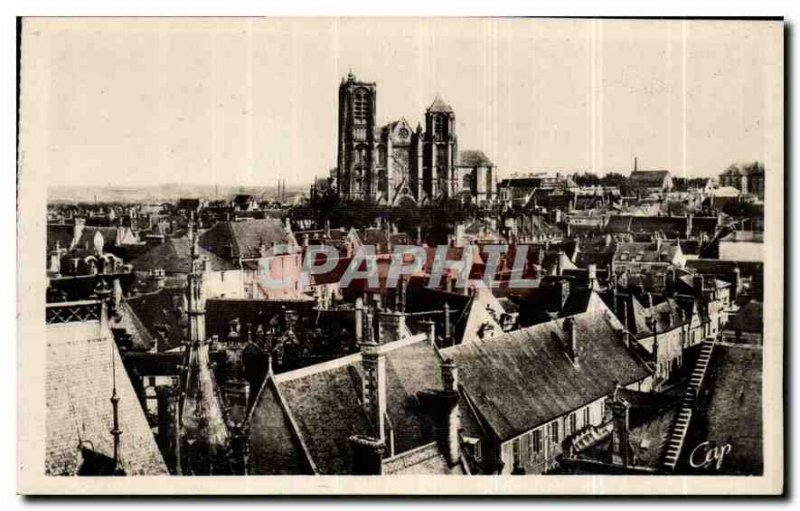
344, 361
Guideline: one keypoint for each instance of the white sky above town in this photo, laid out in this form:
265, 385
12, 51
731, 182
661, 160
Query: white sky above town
249, 101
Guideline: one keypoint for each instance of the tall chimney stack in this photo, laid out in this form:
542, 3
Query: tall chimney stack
620, 443
359, 319
452, 419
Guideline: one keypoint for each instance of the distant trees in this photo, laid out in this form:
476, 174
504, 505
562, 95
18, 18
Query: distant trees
592, 179
436, 220
683, 184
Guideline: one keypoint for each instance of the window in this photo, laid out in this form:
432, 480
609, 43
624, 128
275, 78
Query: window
537, 441
602, 410
554, 432
515, 451
529, 437
586, 416
472, 446
573, 423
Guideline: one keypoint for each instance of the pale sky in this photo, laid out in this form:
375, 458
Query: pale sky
249, 101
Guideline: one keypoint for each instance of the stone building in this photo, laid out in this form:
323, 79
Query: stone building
396, 164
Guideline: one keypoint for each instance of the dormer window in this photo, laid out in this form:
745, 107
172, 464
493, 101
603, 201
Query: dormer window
472, 446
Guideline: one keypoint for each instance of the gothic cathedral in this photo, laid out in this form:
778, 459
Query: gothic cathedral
398, 165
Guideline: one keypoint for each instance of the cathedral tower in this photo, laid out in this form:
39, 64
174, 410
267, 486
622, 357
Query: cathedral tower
356, 176
440, 149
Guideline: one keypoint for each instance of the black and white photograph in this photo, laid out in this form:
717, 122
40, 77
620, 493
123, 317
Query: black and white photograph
353, 250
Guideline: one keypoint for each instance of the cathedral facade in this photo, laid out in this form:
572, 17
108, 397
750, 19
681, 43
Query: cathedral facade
398, 164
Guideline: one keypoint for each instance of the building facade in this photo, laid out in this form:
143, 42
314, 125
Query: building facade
396, 164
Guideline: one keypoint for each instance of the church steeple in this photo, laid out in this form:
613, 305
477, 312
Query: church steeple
194, 290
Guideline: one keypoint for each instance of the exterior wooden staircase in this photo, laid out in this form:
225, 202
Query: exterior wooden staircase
680, 426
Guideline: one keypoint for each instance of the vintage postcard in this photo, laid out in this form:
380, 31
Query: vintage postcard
400, 256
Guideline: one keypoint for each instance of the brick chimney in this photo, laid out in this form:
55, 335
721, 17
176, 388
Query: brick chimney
369, 447
620, 442
592, 270
698, 282
374, 382
448, 332
77, 231
367, 455
452, 419
392, 326
359, 319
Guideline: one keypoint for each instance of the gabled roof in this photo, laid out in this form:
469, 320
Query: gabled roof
473, 158
162, 311
60, 234
321, 408
705, 225
82, 363
671, 227
523, 379
245, 238
647, 252
174, 256
648, 178
109, 235
749, 318
439, 106
480, 318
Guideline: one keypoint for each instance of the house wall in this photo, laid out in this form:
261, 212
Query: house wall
224, 284
288, 268
741, 251
537, 449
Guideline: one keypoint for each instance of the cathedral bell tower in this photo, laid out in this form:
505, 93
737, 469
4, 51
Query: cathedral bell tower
440, 149
356, 175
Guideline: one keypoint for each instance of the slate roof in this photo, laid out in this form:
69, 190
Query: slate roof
174, 256
473, 158
439, 106
323, 403
109, 235
730, 410
245, 238
705, 225
128, 321
648, 178
646, 252
80, 362
162, 311
671, 227
595, 251
749, 318
667, 314
524, 378
59, 233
